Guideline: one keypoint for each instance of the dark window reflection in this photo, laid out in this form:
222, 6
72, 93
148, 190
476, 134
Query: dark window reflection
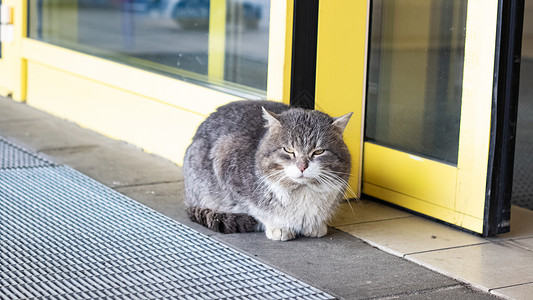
415, 76
166, 36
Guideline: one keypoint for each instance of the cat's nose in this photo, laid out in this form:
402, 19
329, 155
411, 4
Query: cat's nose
302, 165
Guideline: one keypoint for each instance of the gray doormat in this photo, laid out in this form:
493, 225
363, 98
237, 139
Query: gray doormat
14, 157
64, 235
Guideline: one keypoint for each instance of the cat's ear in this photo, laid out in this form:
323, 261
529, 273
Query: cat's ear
270, 117
342, 121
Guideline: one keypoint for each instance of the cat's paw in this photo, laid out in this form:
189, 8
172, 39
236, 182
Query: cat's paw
280, 234
318, 231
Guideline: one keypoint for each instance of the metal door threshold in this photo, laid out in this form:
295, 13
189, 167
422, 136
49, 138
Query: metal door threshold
64, 235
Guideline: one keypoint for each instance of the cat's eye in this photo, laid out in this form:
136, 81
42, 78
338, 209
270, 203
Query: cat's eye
290, 151
318, 152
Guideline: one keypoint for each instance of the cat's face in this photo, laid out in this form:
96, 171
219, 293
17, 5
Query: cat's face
304, 148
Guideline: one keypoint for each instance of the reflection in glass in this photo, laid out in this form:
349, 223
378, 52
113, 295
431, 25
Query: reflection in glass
166, 36
415, 76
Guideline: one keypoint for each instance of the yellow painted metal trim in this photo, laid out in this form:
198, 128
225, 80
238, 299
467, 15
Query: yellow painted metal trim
420, 178
287, 68
476, 106
416, 183
279, 50
21, 15
341, 71
217, 40
154, 126
448, 215
4, 92
161, 88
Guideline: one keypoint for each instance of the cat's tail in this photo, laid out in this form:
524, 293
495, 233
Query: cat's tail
221, 221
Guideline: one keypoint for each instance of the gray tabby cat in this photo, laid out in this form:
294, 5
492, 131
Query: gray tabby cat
260, 165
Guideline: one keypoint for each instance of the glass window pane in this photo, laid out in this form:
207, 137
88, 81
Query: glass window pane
247, 43
415, 76
166, 36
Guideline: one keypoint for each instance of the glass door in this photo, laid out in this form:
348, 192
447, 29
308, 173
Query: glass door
433, 104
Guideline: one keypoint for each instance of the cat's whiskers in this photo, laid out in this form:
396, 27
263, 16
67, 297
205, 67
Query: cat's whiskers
264, 179
349, 189
337, 181
272, 187
324, 179
333, 184
341, 173
329, 177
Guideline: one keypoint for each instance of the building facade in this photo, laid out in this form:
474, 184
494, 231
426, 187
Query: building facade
433, 84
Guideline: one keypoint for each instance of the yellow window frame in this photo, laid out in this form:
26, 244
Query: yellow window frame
81, 87
280, 26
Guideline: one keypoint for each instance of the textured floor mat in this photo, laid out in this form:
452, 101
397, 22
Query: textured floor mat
66, 236
12, 156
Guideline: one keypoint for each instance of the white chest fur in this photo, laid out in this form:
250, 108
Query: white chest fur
303, 209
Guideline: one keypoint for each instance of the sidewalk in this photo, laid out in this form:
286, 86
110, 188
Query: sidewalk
339, 263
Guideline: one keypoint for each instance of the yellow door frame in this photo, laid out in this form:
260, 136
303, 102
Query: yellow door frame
453, 194
341, 72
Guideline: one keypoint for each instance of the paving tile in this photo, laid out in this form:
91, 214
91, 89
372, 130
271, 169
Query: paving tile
365, 211
523, 291
117, 164
488, 266
410, 235
526, 243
